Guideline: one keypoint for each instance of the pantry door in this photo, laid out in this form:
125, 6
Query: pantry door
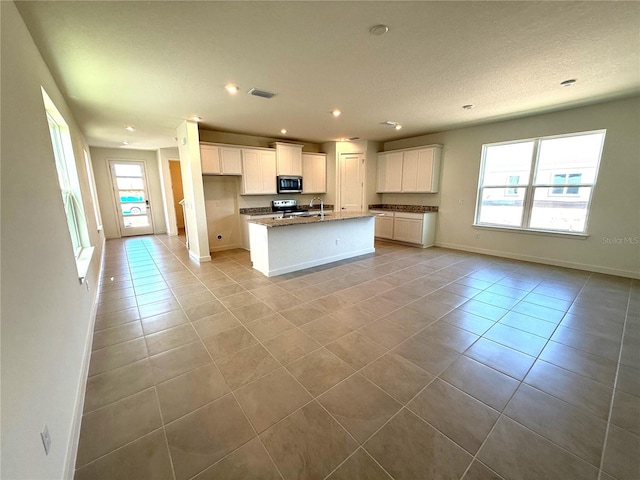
351, 182
132, 198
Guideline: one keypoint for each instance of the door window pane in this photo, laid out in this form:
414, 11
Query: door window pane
125, 183
127, 170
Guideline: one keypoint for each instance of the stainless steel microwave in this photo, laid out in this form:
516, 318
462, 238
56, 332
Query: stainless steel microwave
289, 184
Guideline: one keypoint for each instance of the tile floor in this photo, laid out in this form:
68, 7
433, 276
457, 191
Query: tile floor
405, 364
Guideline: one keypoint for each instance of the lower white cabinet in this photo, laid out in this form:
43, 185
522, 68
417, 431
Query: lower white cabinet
406, 227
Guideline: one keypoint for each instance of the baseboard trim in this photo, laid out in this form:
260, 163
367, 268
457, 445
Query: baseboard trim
226, 247
206, 258
544, 261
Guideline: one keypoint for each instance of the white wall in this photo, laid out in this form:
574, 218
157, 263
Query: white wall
616, 199
47, 315
100, 158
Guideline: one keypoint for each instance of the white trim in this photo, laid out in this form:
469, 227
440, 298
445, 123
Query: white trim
76, 421
83, 262
194, 256
544, 261
532, 231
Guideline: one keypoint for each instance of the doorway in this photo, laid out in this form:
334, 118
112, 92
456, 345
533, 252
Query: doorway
178, 194
351, 182
130, 189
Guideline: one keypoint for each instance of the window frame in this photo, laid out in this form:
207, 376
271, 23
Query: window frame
531, 187
69, 183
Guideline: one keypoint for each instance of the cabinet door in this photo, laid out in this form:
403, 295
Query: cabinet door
408, 227
425, 170
210, 159
268, 169
389, 172
231, 161
289, 159
410, 167
314, 173
384, 225
251, 172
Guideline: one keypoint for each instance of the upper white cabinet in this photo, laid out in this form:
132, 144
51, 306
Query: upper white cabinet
289, 158
220, 160
389, 172
258, 171
415, 170
314, 173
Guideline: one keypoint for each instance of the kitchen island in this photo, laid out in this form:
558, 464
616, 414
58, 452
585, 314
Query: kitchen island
284, 245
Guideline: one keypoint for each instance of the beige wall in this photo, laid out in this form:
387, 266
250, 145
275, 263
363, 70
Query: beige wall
100, 158
221, 204
47, 315
616, 199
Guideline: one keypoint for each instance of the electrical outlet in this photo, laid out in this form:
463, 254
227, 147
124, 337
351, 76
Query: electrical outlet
477, 234
461, 202
46, 440
337, 241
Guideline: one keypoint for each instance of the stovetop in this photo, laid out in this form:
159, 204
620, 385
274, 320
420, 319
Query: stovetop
287, 206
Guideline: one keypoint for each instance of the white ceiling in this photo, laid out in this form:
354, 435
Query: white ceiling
153, 64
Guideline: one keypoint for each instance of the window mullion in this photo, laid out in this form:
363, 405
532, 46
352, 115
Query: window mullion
529, 193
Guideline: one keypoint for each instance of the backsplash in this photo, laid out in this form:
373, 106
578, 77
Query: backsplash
403, 208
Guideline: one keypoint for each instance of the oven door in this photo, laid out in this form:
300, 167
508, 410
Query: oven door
289, 184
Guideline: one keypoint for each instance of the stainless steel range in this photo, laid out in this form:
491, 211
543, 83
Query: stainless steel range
287, 208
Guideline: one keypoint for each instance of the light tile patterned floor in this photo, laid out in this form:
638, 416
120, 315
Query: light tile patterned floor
405, 364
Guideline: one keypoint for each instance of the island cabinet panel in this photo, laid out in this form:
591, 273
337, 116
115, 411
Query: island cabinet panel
289, 158
258, 171
220, 160
415, 170
314, 173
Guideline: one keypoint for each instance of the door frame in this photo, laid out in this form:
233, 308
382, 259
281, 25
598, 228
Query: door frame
116, 203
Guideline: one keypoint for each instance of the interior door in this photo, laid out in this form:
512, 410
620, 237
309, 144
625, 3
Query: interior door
351, 182
131, 196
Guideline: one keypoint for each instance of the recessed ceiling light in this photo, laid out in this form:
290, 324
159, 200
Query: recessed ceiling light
397, 126
336, 113
130, 128
468, 107
568, 83
125, 143
283, 131
196, 118
231, 88
378, 30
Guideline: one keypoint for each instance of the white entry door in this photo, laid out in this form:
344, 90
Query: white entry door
351, 182
132, 199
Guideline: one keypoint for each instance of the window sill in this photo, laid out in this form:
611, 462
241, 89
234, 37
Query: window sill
83, 261
548, 233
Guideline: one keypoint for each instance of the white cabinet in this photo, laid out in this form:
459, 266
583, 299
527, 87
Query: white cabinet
406, 227
258, 171
314, 173
384, 225
415, 170
220, 160
389, 172
289, 158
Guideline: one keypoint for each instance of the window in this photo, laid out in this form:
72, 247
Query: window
69, 186
542, 184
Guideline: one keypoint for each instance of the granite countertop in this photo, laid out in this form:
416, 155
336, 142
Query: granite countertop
269, 211
403, 208
298, 220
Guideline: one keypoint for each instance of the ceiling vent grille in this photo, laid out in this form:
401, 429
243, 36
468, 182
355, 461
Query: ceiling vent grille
261, 93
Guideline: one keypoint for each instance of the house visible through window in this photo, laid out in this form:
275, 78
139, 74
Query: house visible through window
69, 185
542, 184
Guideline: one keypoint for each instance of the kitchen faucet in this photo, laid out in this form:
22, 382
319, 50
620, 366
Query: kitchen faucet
321, 205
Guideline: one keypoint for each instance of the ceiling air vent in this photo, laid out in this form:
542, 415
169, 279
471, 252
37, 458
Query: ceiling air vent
261, 93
